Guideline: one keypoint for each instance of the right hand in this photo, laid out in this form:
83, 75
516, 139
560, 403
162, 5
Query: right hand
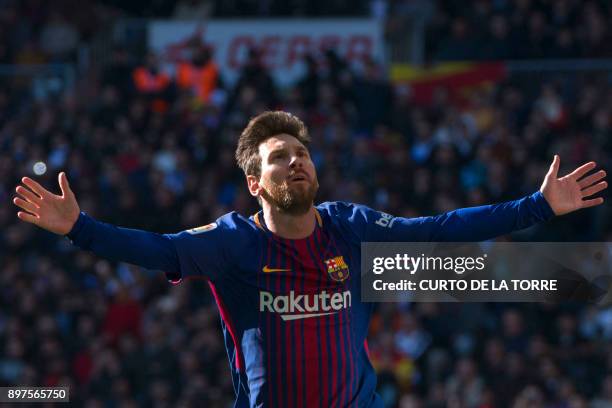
44, 209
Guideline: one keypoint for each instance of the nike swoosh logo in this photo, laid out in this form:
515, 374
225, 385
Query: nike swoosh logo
304, 316
269, 270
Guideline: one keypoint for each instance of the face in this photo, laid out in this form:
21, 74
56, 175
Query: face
288, 178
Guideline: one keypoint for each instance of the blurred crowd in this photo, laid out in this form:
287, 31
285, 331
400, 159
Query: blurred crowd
36, 31
146, 149
520, 29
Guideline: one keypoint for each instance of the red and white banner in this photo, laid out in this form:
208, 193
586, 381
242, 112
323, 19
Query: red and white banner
283, 43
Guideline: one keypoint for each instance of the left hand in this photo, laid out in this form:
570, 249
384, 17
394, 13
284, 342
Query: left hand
568, 193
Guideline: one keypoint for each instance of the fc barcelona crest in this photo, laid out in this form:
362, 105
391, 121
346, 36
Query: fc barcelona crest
337, 269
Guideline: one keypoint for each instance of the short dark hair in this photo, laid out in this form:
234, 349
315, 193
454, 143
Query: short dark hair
261, 128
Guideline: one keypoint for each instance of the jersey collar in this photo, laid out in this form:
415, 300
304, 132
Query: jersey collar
258, 218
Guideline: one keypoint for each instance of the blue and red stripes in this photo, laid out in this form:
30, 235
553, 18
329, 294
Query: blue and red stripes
319, 387
231, 327
268, 335
310, 362
343, 351
301, 351
279, 339
345, 327
298, 352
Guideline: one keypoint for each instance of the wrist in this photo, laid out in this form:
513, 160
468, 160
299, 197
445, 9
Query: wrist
544, 203
77, 226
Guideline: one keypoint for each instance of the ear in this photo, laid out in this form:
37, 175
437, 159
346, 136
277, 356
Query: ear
253, 185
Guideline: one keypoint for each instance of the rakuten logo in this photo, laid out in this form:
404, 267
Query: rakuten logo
294, 307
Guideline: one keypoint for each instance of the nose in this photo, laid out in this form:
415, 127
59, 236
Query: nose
296, 162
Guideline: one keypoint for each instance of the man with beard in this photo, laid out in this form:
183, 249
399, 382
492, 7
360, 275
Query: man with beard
286, 279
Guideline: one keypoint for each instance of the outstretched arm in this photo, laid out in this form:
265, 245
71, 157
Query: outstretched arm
557, 196
60, 214
478, 223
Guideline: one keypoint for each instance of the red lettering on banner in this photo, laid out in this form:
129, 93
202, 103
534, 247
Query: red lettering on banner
358, 48
329, 42
297, 48
237, 50
269, 51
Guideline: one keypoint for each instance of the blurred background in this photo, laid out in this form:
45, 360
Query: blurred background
415, 107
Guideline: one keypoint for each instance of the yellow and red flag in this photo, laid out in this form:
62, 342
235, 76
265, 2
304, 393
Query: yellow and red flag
455, 77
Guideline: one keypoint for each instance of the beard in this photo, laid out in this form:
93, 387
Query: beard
292, 200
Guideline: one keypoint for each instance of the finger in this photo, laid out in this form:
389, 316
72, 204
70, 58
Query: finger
592, 203
592, 179
553, 171
27, 194
63, 183
594, 189
29, 207
582, 170
24, 216
34, 186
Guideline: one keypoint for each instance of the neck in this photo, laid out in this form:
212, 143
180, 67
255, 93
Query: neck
290, 226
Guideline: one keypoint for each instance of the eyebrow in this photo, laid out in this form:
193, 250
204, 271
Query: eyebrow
285, 148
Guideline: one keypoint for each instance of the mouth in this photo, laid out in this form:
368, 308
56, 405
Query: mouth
298, 177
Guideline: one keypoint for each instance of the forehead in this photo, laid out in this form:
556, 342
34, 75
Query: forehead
282, 141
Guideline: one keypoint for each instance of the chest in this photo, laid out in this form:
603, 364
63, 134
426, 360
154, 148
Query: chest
309, 282
323, 261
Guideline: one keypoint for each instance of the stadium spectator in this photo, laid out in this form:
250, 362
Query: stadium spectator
198, 76
152, 83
